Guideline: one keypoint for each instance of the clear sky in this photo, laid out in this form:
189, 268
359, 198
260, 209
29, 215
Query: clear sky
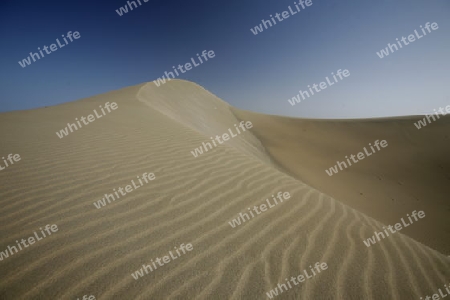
255, 72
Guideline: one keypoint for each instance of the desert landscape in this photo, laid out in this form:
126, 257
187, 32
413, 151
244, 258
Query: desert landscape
191, 200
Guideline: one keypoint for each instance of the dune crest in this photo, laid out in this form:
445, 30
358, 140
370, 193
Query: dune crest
194, 107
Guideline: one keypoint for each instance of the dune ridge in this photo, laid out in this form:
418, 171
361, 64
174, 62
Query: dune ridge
190, 201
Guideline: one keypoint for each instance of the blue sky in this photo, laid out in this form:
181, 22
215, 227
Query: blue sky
254, 72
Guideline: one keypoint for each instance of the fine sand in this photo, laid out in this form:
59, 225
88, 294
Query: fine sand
154, 129
411, 173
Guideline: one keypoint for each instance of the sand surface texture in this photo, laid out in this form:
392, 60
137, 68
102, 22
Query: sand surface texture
192, 200
411, 173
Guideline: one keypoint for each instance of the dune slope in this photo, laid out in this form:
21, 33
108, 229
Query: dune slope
411, 173
95, 251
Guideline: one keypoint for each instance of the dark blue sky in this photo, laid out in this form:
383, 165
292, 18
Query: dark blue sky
258, 73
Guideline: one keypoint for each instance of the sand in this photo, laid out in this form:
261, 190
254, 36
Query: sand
411, 173
192, 200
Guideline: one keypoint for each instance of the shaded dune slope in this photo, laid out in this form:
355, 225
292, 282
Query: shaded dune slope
411, 173
190, 201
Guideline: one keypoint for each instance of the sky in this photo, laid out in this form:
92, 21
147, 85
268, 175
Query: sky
253, 72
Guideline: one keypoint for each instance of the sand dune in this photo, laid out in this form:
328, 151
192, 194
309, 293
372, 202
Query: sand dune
412, 173
192, 200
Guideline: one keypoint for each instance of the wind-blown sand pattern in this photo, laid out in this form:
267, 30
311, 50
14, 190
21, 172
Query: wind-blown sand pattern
412, 173
190, 201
